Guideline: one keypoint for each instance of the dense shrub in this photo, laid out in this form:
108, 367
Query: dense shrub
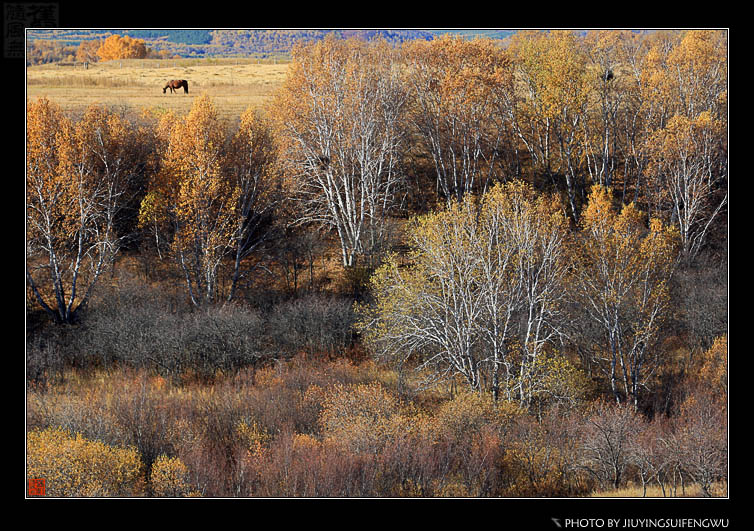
311, 427
411, 462
145, 328
222, 339
84, 411
702, 437
606, 433
170, 478
72, 465
45, 360
144, 416
473, 431
299, 465
358, 417
312, 324
468, 412
141, 328
542, 456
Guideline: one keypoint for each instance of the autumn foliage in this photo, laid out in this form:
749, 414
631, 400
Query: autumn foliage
74, 466
125, 47
437, 269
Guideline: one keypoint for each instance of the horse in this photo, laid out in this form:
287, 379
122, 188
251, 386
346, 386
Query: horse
175, 84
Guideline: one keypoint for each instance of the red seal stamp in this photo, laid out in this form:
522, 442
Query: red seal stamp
36, 487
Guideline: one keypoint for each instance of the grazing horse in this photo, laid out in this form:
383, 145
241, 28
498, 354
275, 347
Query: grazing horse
175, 84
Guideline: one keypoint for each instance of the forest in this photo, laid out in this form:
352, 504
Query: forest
52, 45
440, 268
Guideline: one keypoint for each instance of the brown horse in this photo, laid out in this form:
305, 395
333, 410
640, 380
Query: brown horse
175, 84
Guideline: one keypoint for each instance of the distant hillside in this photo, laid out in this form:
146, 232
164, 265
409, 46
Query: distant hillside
273, 41
235, 42
497, 34
200, 36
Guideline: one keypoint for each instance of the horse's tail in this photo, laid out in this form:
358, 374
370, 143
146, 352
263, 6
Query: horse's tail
185, 86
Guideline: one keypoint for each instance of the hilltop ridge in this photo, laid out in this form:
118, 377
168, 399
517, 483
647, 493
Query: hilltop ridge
243, 42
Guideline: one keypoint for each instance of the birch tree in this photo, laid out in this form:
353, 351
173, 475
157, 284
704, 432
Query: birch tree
210, 204
549, 116
481, 298
77, 180
430, 311
685, 159
608, 85
638, 111
622, 273
536, 229
686, 82
522, 266
457, 87
339, 114
201, 198
254, 169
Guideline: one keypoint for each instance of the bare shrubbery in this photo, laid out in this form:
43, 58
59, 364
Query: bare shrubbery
140, 329
605, 433
45, 356
144, 328
312, 427
286, 414
312, 324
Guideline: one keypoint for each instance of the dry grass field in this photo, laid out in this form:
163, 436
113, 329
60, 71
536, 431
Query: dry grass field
693, 490
233, 84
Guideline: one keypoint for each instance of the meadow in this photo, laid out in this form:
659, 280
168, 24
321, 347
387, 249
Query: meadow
134, 85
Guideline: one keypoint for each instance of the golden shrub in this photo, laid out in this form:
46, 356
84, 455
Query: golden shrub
358, 415
255, 438
535, 469
74, 466
268, 377
454, 487
468, 412
170, 478
305, 442
714, 370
